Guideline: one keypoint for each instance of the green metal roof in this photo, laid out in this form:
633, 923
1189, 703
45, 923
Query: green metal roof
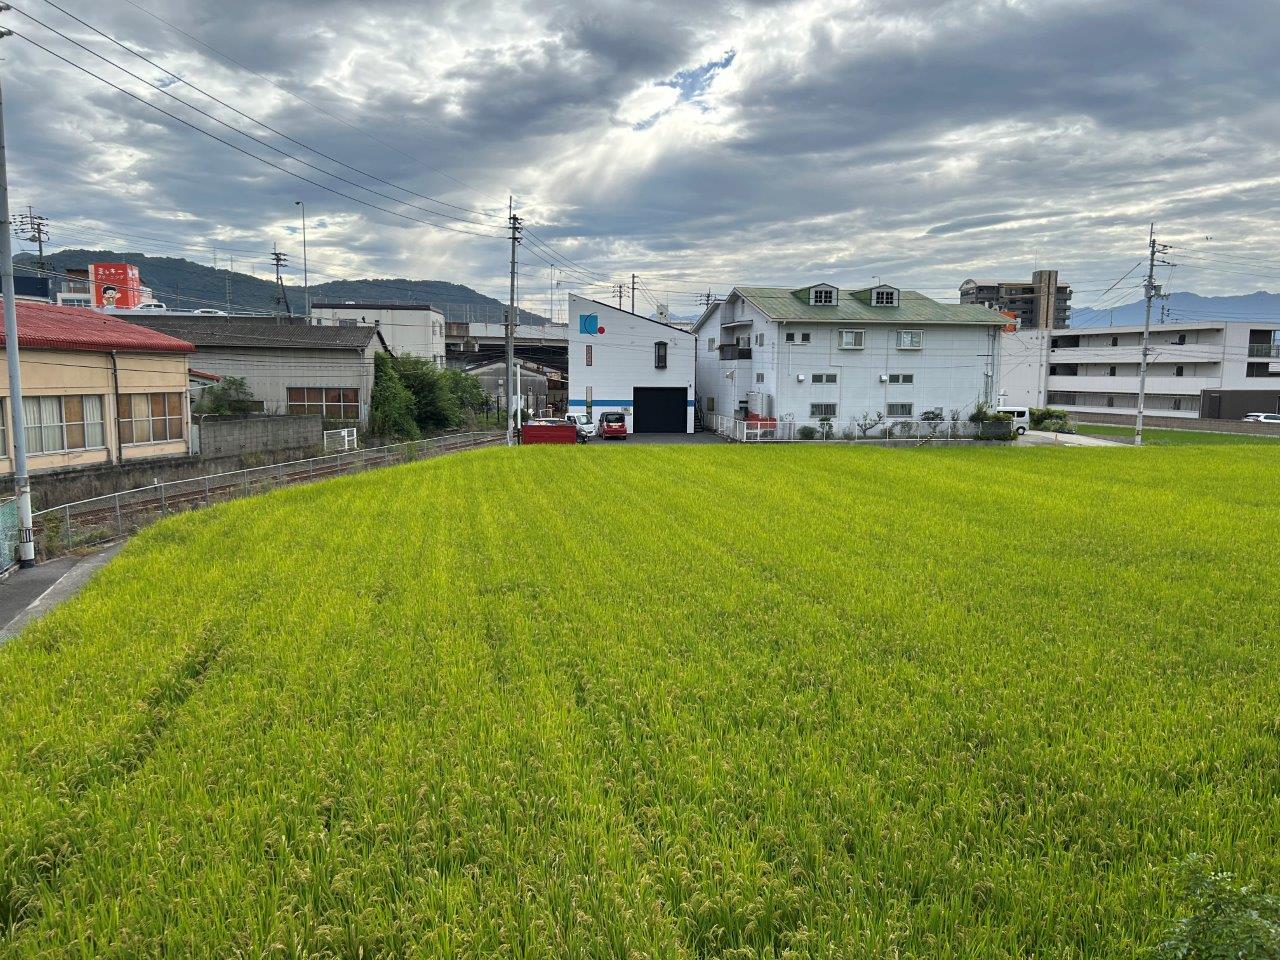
780, 303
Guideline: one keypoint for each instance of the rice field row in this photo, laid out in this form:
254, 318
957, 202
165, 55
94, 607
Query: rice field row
669, 702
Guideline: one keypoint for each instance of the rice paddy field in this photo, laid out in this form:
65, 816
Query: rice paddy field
1162, 437
675, 702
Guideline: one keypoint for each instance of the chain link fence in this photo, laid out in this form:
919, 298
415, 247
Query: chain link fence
8, 533
101, 519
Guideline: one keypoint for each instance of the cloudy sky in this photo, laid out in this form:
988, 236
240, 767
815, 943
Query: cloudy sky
696, 143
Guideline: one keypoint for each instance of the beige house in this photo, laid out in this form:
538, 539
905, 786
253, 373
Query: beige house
96, 390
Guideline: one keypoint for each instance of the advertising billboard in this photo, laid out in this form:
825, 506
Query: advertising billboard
115, 285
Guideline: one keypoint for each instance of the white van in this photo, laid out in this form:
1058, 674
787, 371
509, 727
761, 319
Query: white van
1021, 418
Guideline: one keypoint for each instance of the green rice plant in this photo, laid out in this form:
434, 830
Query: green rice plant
547, 702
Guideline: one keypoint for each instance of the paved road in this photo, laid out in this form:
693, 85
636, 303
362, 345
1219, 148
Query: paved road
27, 595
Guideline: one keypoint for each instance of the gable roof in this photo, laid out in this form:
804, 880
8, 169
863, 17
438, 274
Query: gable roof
781, 303
45, 326
216, 332
601, 303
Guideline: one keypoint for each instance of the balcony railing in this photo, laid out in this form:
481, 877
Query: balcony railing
731, 351
1264, 349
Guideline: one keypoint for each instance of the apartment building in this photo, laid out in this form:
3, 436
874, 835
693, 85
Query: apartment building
1096, 370
820, 353
1042, 304
407, 328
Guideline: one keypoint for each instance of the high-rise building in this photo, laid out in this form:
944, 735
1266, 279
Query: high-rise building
1042, 304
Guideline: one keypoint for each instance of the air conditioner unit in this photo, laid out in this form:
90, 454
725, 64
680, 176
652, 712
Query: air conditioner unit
799, 378
884, 378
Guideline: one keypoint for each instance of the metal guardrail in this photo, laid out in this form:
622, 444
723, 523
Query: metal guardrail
115, 515
1264, 349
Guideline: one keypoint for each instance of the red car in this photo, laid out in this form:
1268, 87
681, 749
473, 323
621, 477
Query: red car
612, 425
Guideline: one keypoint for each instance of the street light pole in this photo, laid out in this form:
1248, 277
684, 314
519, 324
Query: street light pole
21, 480
306, 283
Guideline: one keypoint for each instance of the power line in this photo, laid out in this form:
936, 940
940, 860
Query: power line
247, 153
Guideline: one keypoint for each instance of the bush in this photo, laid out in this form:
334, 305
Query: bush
807, 433
1040, 416
1225, 920
391, 406
230, 396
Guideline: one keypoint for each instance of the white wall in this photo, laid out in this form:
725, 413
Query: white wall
407, 330
622, 358
1024, 368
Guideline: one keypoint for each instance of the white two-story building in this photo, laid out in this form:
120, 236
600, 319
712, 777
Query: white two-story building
1217, 369
623, 362
821, 353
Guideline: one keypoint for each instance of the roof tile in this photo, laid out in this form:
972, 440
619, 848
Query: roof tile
44, 326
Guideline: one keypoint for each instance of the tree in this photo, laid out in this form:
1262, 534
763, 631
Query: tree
391, 405
435, 406
1226, 920
869, 421
232, 395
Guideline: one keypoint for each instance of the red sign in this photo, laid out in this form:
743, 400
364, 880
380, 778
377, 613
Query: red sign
115, 285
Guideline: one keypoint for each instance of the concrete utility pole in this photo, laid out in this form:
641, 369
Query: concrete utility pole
620, 289
1152, 290
34, 229
306, 283
511, 324
633, 293
21, 480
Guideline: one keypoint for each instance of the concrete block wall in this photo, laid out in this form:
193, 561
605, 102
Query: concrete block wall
230, 436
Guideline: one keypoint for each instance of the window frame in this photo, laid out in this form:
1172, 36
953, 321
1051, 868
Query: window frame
815, 408
38, 431
347, 409
909, 415
822, 297
917, 335
862, 338
890, 294
660, 355
903, 379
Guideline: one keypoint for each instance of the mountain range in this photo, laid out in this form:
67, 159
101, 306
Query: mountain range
1185, 308
186, 285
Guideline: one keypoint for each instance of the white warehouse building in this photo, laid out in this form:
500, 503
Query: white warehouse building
407, 328
820, 353
1216, 369
623, 362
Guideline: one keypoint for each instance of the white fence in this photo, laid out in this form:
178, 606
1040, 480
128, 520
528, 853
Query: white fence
341, 441
816, 431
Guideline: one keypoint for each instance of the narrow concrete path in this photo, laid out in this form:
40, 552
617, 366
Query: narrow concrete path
27, 595
1041, 438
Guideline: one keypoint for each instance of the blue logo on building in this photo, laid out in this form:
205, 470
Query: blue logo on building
589, 324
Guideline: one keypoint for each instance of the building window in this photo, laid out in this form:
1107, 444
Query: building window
791, 338
910, 339
660, 356
819, 410
824, 297
1182, 339
1115, 341
804, 338
588, 354
759, 339
899, 409
1177, 371
332, 403
711, 404
150, 417
1111, 371
711, 344
55, 424
886, 298
902, 378
851, 339
759, 378
1177, 404
824, 378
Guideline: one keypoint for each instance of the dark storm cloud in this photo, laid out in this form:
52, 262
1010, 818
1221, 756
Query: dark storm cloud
929, 139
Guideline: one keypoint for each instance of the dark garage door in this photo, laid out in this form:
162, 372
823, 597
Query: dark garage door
660, 409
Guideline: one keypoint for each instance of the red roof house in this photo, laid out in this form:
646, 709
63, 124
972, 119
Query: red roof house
44, 326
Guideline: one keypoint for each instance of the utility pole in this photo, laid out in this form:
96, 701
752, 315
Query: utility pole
514, 222
633, 293
34, 229
706, 299
552, 301
21, 480
306, 283
619, 288
282, 297
1152, 290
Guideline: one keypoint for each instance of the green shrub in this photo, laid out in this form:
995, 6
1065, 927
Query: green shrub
1225, 921
807, 433
1039, 416
391, 406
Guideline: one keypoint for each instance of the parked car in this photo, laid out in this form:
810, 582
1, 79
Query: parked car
583, 423
1021, 418
611, 425
151, 305
1262, 417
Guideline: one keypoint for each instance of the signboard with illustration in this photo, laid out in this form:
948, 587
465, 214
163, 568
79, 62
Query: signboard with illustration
115, 285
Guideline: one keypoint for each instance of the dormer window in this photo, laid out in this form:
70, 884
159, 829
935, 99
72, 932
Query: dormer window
823, 295
884, 297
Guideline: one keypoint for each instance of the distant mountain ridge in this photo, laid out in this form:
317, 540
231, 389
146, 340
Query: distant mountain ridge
186, 285
1185, 308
